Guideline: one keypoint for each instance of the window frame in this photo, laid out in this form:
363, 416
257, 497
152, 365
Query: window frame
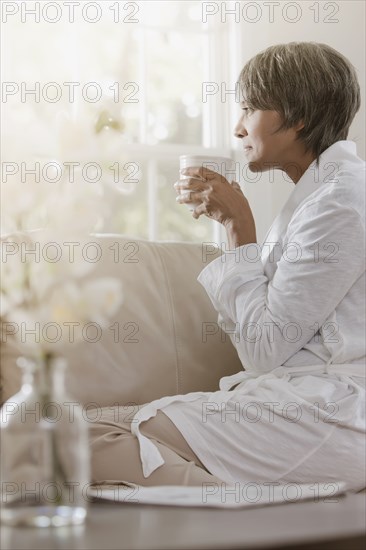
218, 139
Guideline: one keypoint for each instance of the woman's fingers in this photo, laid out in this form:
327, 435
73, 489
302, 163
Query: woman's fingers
184, 197
188, 190
201, 209
188, 183
208, 192
200, 172
187, 196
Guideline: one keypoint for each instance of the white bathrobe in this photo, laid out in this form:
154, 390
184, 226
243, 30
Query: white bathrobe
294, 308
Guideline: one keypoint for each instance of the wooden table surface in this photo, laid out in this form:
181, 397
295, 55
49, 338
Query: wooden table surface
307, 524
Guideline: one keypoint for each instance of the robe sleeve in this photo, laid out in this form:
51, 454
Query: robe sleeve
270, 320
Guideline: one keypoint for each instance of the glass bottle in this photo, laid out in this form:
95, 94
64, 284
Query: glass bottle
45, 461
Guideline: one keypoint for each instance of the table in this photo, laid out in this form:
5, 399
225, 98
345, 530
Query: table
111, 526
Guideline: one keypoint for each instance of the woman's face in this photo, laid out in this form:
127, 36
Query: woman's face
263, 148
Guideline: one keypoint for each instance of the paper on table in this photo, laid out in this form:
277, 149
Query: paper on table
219, 496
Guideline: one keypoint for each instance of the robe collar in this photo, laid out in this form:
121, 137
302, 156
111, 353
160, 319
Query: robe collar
311, 180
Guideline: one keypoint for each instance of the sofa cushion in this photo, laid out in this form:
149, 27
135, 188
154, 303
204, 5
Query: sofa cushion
155, 344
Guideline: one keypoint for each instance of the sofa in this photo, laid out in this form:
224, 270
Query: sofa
165, 340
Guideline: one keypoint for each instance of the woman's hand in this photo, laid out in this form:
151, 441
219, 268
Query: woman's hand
220, 201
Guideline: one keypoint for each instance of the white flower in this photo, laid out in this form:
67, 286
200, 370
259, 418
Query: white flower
5, 305
38, 292
28, 329
104, 297
52, 299
13, 275
60, 320
24, 205
76, 208
66, 305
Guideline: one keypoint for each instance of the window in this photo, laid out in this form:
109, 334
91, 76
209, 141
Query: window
142, 71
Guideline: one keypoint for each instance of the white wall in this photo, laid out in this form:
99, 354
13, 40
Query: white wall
346, 34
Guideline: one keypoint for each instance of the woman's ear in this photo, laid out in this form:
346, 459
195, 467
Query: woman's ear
299, 126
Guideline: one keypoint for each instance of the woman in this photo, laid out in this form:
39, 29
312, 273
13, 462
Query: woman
294, 308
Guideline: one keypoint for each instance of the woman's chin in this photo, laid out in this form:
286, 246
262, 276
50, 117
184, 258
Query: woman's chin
255, 166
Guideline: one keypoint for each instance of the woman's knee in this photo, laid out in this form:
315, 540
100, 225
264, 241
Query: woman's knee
113, 418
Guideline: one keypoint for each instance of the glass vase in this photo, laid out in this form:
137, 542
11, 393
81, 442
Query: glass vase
44, 450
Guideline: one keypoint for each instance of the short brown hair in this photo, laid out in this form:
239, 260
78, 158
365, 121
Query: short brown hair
305, 81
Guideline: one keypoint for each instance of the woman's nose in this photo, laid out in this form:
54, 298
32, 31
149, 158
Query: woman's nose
239, 130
